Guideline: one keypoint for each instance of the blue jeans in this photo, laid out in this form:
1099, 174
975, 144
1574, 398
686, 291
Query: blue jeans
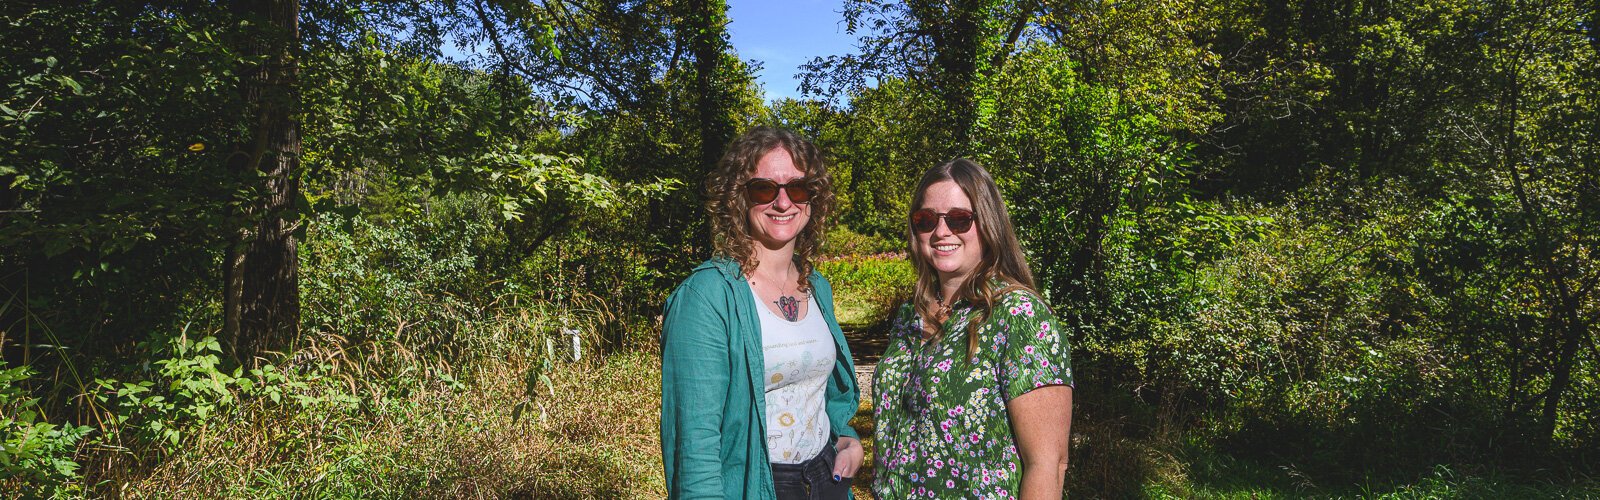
811, 479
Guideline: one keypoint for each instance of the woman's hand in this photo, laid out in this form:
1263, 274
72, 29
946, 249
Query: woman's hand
848, 460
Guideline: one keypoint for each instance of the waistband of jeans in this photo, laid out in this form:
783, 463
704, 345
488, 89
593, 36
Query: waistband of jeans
814, 462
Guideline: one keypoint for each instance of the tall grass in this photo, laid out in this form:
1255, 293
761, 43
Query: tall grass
419, 373
401, 425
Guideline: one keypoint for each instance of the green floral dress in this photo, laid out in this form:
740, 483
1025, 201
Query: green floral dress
942, 430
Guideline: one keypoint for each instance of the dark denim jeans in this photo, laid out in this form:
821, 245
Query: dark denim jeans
811, 479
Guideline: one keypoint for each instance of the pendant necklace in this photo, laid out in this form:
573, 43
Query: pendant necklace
943, 312
788, 305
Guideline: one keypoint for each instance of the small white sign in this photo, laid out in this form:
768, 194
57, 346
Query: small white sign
577, 347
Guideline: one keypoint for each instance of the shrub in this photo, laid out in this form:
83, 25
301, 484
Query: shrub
844, 242
36, 456
867, 287
410, 281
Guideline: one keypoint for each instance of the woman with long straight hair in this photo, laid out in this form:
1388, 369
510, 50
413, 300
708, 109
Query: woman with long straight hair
973, 396
757, 386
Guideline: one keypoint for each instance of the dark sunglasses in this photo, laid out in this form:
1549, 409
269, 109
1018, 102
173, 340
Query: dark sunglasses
763, 191
959, 220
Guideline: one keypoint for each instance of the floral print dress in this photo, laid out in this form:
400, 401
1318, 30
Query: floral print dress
942, 428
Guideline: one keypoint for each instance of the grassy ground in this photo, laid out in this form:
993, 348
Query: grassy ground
597, 438
1222, 477
864, 426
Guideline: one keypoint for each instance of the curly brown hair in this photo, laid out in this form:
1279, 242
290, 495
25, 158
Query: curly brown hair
729, 209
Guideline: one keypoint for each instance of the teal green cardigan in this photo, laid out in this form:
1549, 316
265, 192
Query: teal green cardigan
713, 390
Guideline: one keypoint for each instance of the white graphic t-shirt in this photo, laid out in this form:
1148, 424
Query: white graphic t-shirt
799, 356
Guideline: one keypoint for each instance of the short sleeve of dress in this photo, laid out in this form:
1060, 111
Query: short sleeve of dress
1036, 352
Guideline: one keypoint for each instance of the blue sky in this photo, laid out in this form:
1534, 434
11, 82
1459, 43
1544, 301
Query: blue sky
783, 34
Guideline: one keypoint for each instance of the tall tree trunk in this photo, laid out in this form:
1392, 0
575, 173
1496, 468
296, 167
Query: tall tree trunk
708, 22
1567, 305
1572, 332
702, 34
261, 303
957, 37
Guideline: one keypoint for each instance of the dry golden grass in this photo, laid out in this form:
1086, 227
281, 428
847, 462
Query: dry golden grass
597, 438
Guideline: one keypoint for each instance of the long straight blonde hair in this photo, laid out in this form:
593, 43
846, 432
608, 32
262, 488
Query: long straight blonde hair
1002, 269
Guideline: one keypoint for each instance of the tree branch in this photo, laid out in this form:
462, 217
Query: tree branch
556, 226
563, 19
492, 32
1000, 56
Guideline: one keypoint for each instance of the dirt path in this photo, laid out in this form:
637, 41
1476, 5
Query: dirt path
866, 348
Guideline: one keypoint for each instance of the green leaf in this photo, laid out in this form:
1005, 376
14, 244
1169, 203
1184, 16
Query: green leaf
548, 384
77, 89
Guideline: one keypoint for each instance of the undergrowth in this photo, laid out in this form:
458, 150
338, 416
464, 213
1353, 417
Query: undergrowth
867, 287
420, 428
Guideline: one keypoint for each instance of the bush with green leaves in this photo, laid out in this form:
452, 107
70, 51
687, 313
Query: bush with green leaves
35, 455
844, 242
868, 287
187, 386
1079, 162
411, 280
1317, 337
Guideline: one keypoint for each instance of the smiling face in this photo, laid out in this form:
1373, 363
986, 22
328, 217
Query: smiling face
775, 225
954, 255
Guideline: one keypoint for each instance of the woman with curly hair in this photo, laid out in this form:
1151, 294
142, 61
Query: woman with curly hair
974, 398
757, 386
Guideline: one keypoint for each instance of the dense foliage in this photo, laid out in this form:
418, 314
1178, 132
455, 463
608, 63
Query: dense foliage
1309, 247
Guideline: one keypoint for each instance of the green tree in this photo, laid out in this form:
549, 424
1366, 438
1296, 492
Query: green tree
260, 271
160, 139
112, 156
944, 49
1539, 168
660, 92
1358, 86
